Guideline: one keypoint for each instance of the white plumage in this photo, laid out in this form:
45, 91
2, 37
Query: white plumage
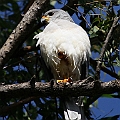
66, 37
65, 46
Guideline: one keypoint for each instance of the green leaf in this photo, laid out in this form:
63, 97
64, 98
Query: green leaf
118, 2
118, 62
119, 73
107, 95
95, 29
95, 104
53, 2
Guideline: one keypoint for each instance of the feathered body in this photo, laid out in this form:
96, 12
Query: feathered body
65, 46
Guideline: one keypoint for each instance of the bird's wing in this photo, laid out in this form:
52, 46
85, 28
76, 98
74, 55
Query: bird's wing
57, 37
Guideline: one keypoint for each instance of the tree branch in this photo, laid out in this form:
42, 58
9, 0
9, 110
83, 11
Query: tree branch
104, 69
87, 87
22, 31
5, 110
98, 67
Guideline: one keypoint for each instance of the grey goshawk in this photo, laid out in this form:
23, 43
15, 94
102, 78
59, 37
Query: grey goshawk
65, 48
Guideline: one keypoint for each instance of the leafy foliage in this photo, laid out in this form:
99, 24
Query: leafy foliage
96, 18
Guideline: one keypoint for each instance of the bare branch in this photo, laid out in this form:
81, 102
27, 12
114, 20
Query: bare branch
87, 87
98, 67
22, 31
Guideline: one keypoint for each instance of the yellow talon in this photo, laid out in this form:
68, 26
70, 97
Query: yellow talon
64, 81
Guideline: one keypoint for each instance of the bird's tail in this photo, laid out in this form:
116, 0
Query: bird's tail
73, 109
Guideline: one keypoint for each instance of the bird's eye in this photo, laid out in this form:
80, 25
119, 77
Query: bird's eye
50, 14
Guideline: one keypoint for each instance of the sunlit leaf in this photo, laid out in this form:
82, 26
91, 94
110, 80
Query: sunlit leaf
118, 2
53, 2
107, 95
95, 29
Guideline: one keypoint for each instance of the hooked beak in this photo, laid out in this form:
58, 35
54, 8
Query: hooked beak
45, 19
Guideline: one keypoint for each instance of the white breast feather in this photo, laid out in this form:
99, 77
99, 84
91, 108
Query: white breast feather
73, 41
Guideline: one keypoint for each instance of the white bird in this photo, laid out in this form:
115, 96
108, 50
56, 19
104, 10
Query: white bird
65, 48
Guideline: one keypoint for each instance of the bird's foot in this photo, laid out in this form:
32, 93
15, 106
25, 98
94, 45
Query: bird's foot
64, 81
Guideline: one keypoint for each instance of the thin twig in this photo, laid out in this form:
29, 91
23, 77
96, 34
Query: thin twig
98, 67
83, 17
104, 69
76, 10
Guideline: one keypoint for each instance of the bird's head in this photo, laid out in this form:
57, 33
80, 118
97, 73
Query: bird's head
54, 14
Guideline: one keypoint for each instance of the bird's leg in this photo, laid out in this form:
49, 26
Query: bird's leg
64, 81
